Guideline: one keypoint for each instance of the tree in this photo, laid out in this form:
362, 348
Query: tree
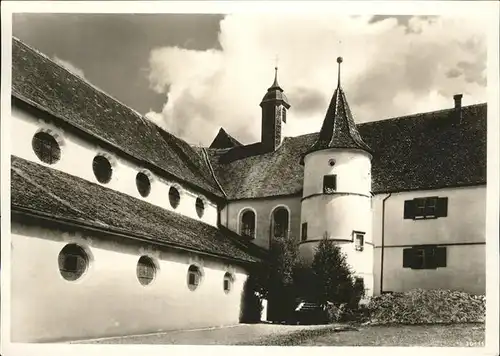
334, 280
283, 257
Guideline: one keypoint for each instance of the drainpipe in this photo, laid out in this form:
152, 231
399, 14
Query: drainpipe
382, 252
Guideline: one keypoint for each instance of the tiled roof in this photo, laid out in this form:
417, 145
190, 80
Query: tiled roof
62, 196
338, 129
40, 82
224, 140
415, 152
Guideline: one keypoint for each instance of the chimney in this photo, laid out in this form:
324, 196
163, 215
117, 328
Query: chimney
458, 107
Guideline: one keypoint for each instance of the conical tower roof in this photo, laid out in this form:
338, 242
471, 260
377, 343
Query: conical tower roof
275, 92
339, 129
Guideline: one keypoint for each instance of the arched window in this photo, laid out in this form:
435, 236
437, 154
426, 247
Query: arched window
46, 147
247, 224
280, 222
228, 282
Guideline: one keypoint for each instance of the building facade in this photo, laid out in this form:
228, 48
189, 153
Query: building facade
119, 227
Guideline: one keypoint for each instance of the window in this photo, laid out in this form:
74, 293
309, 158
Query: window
280, 222
143, 184
200, 207
424, 257
426, 208
359, 241
283, 114
329, 184
248, 224
46, 147
194, 277
146, 270
228, 282
174, 197
73, 262
304, 231
102, 169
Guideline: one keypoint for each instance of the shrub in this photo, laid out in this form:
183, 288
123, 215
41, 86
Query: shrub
427, 307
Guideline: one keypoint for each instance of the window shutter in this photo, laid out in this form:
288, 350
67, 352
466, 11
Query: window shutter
430, 257
407, 257
409, 209
442, 207
440, 256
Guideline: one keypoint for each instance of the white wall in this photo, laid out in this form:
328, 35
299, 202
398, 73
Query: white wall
464, 224
263, 208
109, 300
352, 167
338, 215
76, 159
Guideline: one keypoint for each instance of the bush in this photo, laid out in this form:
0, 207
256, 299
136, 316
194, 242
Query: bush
427, 307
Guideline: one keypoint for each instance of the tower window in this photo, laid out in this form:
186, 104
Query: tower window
280, 222
304, 231
359, 241
283, 114
102, 169
146, 270
73, 262
248, 224
143, 184
194, 277
200, 207
46, 147
174, 197
329, 184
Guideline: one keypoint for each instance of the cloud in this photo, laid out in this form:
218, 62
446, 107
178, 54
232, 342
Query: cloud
391, 68
69, 66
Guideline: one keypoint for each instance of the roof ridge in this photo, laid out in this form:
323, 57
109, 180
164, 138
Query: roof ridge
212, 172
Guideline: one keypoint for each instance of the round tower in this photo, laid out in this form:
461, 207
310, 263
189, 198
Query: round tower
336, 198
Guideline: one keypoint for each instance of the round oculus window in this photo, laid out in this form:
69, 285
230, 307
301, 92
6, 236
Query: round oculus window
46, 147
194, 277
143, 184
146, 270
200, 207
174, 197
73, 262
102, 169
331, 162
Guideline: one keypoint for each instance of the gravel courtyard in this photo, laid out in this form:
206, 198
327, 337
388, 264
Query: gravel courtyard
463, 335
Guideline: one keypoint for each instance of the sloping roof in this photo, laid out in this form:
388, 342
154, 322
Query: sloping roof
338, 129
62, 196
275, 93
415, 152
224, 140
40, 82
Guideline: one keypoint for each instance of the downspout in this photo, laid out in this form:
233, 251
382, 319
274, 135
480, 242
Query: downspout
383, 239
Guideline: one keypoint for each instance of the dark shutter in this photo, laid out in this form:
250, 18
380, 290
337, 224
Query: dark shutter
442, 207
304, 231
440, 256
430, 257
409, 209
407, 257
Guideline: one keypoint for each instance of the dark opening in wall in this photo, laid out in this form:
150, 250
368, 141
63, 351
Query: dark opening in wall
73, 262
200, 207
174, 197
146, 270
143, 184
46, 148
102, 169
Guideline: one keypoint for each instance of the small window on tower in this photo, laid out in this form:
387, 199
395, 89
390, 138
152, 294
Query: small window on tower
304, 231
283, 114
329, 184
359, 240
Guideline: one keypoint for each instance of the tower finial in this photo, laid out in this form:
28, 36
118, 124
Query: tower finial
339, 60
275, 84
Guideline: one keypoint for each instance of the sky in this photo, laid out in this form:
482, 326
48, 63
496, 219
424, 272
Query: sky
192, 74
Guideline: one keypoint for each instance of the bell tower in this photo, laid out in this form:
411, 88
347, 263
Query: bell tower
274, 111
336, 200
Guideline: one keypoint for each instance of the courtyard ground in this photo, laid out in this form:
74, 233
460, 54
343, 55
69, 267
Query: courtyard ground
462, 335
